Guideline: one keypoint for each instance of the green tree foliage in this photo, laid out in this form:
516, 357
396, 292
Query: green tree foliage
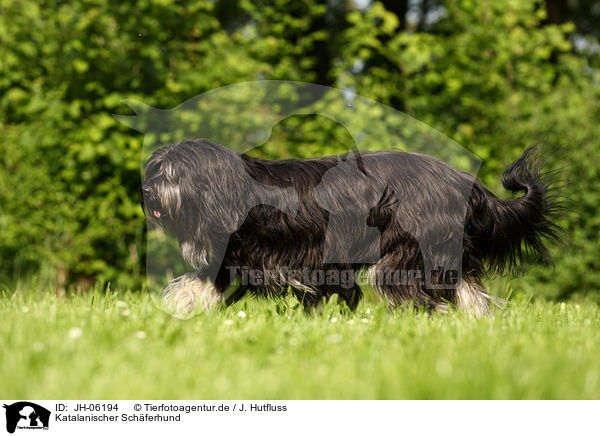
494, 76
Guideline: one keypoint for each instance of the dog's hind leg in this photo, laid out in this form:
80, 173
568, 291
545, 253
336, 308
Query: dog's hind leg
471, 298
397, 285
351, 296
309, 297
312, 296
190, 293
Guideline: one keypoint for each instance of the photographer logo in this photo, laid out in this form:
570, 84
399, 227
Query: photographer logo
24, 415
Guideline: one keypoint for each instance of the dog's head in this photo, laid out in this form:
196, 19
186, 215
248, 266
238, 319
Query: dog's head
184, 182
197, 192
161, 193
200, 193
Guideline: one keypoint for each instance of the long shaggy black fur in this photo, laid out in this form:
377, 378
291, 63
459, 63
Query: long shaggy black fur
232, 212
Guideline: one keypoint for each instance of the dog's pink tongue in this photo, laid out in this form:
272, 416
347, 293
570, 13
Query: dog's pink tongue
157, 214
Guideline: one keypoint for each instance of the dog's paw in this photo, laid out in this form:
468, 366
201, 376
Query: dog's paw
188, 294
473, 300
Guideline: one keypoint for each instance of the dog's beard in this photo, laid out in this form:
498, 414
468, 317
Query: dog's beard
198, 257
169, 203
163, 205
182, 223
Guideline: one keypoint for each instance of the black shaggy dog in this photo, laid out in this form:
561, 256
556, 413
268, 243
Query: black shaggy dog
266, 227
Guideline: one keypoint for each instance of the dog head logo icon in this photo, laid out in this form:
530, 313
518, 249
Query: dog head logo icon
26, 415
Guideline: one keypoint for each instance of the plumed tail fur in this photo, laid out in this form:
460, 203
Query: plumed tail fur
507, 232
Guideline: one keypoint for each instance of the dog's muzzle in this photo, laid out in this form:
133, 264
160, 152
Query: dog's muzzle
145, 192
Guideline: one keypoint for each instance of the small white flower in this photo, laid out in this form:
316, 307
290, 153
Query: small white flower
140, 334
364, 320
350, 321
75, 333
126, 312
242, 314
25, 309
368, 311
334, 320
228, 322
121, 304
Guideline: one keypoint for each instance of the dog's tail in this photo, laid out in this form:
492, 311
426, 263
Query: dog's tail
509, 231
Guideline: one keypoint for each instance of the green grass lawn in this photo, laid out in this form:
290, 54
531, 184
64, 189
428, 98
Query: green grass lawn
119, 345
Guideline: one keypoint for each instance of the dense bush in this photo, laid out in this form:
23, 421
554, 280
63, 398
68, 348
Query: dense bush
494, 76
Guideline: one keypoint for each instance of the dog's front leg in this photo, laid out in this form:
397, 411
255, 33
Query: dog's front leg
190, 293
